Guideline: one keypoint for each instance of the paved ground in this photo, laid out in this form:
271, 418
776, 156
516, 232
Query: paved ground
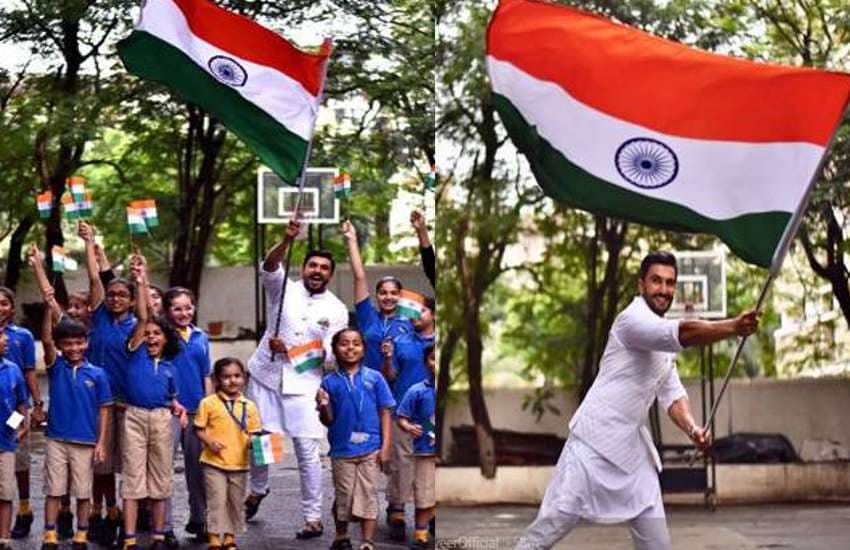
272, 529
786, 527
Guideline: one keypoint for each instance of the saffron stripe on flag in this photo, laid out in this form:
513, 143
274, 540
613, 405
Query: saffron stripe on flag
279, 148
662, 85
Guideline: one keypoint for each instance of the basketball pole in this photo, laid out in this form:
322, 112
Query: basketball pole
776, 264
302, 177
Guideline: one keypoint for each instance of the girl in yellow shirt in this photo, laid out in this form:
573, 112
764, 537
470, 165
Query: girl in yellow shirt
224, 423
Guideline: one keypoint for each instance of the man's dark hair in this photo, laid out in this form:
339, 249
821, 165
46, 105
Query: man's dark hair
68, 328
326, 254
657, 257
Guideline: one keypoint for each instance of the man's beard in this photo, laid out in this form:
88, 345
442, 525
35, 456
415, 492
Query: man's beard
650, 302
309, 282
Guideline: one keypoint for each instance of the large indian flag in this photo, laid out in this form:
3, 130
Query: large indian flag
622, 123
255, 82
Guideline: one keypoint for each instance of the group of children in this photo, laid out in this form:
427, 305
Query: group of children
129, 376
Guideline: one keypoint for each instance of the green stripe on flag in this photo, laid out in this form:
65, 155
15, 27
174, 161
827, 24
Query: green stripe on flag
148, 57
312, 363
752, 237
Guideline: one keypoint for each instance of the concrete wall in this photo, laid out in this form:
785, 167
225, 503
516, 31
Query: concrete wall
736, 484
800, 409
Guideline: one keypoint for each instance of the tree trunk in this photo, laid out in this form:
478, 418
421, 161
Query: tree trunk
588, 367
477, 403
447, 350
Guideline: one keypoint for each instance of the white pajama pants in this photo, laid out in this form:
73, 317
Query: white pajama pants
648, 533
295, 416
585, 485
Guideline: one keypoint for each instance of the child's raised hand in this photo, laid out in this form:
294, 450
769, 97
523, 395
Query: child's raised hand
85, 231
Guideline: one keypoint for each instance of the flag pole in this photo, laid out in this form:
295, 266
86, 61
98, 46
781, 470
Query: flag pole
778, 257
302, 177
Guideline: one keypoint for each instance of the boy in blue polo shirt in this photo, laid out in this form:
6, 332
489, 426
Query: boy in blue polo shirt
355, 404
20, 350
80, 400
13, 399
416, 417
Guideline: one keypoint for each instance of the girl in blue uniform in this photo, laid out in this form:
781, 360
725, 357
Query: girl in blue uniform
192, 369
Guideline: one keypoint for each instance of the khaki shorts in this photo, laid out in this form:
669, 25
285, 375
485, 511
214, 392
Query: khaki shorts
22, 455
112, 443
400, 486
8, 482
68, 461
424, 484
147, 453
355, 482
225, 500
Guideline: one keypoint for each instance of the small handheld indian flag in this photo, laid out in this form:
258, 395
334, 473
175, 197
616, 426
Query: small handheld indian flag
342, 185
266, 449
77, 185
61, 261
44, 201
306, 356
70, 206
411, 304
84, 205
136, 221
148, 209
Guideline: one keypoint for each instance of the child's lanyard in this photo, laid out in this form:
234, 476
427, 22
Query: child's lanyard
242, 423
358, 409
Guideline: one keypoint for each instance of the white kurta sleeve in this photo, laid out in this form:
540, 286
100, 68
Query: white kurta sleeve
670, 389
272, 283
640, 329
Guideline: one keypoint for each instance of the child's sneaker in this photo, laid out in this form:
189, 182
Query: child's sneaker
342, 544
23, 522
367, 545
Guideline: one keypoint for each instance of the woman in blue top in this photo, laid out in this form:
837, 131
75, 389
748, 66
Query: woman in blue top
151, 395
376, 325
192, 370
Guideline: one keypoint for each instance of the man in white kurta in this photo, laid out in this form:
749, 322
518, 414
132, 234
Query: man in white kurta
286, 398
608, 470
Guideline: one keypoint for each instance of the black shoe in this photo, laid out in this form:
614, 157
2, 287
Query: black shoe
65, 525
252, 504
109, 530
49, 546
311, 530
80, 546
143, 520
342, 544
171, 541
398, 531
419, 545
198, 529
23, 522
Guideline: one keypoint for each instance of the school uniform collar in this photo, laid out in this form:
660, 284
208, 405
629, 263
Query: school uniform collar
223, 397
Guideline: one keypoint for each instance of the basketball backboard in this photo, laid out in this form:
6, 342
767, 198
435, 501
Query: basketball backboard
700, 285
276, 199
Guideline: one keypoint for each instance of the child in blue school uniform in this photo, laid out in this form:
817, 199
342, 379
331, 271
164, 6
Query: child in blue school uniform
77, 420
151, 394
415, 416
355, 403
13, 399
192, 368
20, 350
